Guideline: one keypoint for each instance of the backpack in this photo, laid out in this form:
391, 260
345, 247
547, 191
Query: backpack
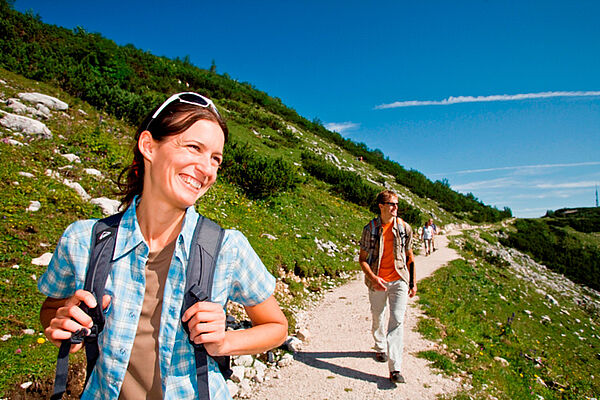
374, 227
206, 243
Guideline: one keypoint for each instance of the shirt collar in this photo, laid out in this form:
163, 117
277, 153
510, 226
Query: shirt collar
130, 235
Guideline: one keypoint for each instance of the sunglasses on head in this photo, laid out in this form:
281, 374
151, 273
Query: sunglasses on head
185, 97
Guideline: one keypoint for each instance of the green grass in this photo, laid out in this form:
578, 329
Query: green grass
485, 312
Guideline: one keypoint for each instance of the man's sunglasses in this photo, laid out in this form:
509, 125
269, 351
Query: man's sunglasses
389, 203
185, 97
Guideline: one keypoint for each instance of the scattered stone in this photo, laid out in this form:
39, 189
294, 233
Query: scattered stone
286, 360
93, 172
12, 142
78, 188
303, 334
34, 206
72, 157
244, 360
16, 266
552, 299
42, 260
237, 373
293, 344
108, 206
49, 101
232, 387
268, 236
28, 332
502, 361
25, 125
26, 174
545, 320
4, 338
26, 385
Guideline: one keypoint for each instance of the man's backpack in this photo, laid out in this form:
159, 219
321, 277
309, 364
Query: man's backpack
206, 244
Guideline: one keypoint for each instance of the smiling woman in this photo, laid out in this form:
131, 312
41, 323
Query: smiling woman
144, 349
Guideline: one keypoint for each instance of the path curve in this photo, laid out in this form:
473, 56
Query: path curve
337, 360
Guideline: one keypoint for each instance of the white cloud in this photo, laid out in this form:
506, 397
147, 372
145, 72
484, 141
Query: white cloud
486, 184
569, 185
340, 127
520, 167
478, 99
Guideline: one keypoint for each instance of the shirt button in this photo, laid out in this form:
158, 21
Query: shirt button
131, 314
123, 351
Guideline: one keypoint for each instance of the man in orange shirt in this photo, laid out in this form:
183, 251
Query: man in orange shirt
387, 260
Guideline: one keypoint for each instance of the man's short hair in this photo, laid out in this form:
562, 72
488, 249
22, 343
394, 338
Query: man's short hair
385, 196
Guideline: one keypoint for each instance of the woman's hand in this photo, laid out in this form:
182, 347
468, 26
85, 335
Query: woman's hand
206, 323
62, 317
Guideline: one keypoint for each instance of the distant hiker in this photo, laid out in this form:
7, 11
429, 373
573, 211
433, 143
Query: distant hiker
387, 260
144, 350
435, 232
427, 236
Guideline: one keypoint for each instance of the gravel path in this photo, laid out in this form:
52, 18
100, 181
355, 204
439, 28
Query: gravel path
337, 360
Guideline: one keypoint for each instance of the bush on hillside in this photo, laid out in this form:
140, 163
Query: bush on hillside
558, 250
260, 177
352, 187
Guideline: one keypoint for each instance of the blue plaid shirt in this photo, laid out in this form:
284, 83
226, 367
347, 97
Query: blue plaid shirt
240, 276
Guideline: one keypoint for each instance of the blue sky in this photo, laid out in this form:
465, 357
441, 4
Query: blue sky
502, 98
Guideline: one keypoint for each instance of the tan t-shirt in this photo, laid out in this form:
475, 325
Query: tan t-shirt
142, 379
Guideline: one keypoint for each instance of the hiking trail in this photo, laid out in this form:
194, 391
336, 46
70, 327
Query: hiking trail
337, 360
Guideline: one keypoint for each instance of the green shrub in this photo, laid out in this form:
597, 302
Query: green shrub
259, 177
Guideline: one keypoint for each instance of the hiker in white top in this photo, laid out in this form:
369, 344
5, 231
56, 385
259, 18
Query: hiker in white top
427, 236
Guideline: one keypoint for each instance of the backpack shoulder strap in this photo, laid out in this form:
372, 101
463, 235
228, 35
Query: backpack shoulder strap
206, 244
103, 240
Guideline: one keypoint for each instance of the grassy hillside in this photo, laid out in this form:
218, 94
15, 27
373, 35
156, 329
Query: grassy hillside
510, 328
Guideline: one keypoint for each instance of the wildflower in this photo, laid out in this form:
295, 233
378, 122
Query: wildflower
41, 340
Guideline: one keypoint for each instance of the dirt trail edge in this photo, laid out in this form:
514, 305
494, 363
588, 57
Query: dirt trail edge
337, 360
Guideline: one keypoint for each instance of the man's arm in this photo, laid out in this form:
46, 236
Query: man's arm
378, 282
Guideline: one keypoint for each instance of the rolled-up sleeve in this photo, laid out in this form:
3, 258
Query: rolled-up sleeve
251, 282
66, 272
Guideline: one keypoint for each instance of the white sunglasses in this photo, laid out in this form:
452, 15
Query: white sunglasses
185, 97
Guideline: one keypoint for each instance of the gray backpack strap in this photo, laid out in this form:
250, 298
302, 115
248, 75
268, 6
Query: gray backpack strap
103, 240
206, 244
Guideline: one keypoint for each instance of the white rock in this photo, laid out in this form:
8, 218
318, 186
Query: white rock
268, 236
502, 361
26, 384
93, 172
25, 125
4, 338
42, 260
237, 373
72, 157
34, 206
16, 266
244, 360
78, 188
49, 101
245, 389
303, 334
286, 360
52, 174
232, 387
13, 142
293, 344
26, 174
28, 332
108, 206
